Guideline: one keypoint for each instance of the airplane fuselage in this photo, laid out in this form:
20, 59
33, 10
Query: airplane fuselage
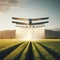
30, 21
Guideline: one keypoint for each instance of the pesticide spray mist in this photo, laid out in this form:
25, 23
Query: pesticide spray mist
30, 34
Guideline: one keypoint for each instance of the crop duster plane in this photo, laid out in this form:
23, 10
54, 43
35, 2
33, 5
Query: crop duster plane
30, 21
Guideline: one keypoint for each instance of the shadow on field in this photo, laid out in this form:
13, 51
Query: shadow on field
5, 52
20, 53
42, 57
52, 52
29, 55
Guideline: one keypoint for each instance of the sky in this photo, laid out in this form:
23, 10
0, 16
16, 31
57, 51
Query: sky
29, 9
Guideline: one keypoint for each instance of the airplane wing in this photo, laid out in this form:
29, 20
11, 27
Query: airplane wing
40, 23
19, 18
35, 19
20, 23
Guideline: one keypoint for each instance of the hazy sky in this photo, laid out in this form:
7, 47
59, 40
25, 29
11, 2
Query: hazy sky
29, 9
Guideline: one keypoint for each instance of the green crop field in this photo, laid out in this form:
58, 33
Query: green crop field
15, 49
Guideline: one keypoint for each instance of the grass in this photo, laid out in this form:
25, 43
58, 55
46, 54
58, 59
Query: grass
53, 45
15, 49
8, 42
36, 54
44, 54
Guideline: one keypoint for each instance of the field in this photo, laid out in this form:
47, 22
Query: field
15, 49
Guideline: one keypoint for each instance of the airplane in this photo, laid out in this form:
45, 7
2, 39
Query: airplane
30, 21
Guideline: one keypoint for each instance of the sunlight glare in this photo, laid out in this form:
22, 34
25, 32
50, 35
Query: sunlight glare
30, 34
